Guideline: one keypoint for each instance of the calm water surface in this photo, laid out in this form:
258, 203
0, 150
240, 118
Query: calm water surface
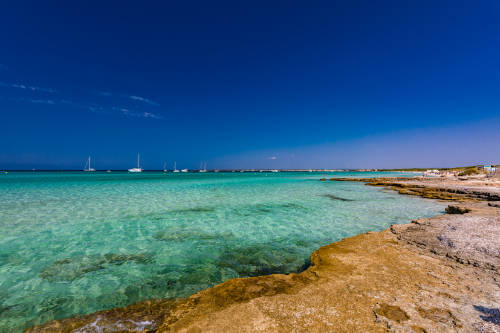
74, 243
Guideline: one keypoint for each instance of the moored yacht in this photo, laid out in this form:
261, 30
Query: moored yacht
203, 167
138, 169
175, 167
87, 166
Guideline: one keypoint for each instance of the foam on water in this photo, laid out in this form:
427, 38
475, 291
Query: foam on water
76, 243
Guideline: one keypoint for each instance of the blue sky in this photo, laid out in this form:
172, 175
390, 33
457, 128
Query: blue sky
339, 84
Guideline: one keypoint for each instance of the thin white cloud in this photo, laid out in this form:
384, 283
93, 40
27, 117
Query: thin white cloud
143, 99
272, 158
128, 112
150, 115
42, 101
84, 105
94, 108
122, 110
25, 87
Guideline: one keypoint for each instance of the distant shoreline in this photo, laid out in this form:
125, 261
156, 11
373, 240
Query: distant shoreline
407, 170
210, 171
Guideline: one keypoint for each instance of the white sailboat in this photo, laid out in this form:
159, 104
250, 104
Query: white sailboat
184, 170
138, 169
87, 166
175, 167
165, 167
203, 168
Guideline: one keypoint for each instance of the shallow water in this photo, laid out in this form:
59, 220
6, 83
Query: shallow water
74, 243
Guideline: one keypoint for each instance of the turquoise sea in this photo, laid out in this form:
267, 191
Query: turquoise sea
73, 243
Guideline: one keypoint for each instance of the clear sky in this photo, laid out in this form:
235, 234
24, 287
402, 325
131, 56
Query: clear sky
282, 84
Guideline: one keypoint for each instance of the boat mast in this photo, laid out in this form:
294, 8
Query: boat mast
89, 163
138, 161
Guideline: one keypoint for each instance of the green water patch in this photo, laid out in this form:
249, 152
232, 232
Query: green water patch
70, 269
336, 198
185, 234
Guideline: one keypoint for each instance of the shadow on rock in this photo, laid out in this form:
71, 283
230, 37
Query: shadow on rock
492, 315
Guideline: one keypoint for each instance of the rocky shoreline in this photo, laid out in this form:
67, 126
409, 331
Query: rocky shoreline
435, 274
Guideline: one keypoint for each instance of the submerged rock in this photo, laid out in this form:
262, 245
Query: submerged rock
262, 259
181, 235
334, 197
200, 209
265, 208
70, 269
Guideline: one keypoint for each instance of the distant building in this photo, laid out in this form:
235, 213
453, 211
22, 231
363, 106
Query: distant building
488, 168
432, 173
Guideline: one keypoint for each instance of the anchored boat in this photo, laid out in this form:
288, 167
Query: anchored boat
138, 169
87, 166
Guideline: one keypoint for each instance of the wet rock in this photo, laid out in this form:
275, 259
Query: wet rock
456, 210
